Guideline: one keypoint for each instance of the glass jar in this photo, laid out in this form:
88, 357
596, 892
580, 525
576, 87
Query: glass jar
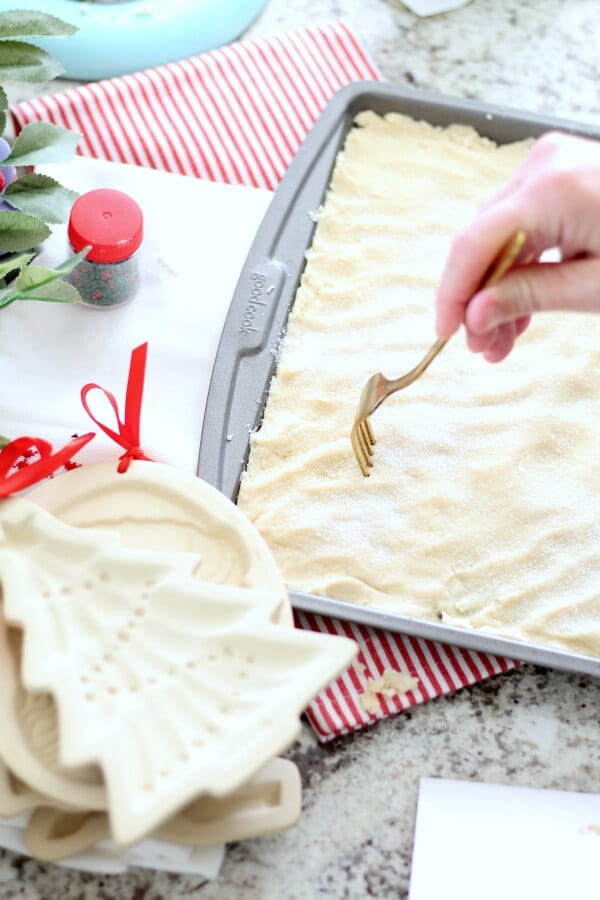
111, 224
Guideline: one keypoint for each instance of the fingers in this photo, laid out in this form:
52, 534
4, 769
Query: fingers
554, 195
521, 325
503, 343
472, 253
497, 343
496, 317
574, 285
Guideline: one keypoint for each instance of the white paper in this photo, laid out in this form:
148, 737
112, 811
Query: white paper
475, 841
197, 235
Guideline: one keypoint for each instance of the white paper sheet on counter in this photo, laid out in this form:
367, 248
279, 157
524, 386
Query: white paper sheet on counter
196, 237
485, 840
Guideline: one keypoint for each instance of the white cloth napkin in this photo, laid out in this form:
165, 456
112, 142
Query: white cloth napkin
197, 235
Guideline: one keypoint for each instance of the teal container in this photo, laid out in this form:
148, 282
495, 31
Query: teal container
115, 38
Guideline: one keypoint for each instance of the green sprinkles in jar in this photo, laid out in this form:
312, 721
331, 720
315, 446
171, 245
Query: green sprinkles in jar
111, 224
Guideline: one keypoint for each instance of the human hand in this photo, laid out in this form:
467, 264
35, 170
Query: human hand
555, 197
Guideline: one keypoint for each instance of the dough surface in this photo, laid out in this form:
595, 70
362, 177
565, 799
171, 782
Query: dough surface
483, 505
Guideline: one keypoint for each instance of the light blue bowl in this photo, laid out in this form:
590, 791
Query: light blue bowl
116, 38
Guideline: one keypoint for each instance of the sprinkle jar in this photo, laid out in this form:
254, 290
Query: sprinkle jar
110, 223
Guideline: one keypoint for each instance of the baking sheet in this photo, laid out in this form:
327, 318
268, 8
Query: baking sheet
247, 355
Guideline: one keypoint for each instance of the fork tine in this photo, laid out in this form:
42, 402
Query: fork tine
367, 450
360, 449
370, 434
365, 433
363, 440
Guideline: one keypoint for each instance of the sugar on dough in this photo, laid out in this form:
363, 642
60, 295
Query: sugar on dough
482, 509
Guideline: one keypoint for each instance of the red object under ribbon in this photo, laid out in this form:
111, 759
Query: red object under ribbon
128, 435
15, 455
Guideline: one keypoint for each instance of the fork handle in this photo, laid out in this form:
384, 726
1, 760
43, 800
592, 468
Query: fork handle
504, 260
396, 384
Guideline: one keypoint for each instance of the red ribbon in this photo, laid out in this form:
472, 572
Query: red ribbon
128, 435
26, 474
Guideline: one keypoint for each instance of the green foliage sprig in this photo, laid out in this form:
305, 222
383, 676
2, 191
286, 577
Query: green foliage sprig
29, 201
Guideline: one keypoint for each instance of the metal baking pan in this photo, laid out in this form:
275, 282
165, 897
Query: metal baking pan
255, 325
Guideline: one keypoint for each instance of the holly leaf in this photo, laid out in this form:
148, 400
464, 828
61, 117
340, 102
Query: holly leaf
41, 196
21, 232
29, 23
42, 142
20, 61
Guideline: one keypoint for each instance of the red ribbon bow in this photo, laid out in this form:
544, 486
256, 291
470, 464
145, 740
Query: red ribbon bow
16, 453
128, 435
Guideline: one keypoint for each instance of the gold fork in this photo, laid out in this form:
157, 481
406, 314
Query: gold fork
378, 387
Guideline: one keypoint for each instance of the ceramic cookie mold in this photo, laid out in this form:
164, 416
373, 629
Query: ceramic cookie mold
188, 685
16, 797
106, 858
156, 507
29, 745
268, 802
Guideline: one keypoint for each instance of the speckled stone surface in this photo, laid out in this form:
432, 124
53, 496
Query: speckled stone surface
531, 727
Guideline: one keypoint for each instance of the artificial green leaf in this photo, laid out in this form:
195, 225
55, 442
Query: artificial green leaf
2, 122
58, 292
33, 282
4, 441
34, 278
41, 196
39, 283
28, 23
55, 292
20, 61
21, 232
14, 261
69, 264
41, 142
3, 98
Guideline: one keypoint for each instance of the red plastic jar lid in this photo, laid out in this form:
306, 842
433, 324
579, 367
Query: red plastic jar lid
108, 221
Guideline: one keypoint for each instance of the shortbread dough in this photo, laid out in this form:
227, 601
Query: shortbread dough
483, 505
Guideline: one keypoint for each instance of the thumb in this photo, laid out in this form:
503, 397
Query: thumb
573, 286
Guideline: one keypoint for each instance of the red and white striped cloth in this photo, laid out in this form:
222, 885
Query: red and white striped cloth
437, 668
238, 115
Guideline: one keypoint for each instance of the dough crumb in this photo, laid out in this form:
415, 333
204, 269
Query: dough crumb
390, 684
369, 702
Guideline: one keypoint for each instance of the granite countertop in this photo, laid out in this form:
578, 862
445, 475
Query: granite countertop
531, 727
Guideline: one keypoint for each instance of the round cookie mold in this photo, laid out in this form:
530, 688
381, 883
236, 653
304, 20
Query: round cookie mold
173, 686
157, 507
